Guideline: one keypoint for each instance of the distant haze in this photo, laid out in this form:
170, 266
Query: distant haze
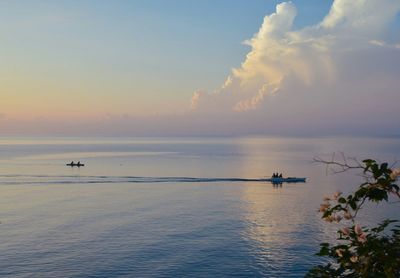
337, 75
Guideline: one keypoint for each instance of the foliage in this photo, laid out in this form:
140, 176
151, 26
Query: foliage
361, 251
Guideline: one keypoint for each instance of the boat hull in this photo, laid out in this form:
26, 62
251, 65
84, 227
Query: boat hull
75, 165
281, 180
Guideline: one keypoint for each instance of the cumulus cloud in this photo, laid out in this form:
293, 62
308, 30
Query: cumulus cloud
369, 17
339, 68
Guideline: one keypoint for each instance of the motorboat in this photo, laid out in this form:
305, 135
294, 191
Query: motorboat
288, 179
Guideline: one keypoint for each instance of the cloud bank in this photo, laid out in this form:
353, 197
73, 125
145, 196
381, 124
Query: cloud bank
339, 72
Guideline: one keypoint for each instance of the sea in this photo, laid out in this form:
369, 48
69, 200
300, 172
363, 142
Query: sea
174, 207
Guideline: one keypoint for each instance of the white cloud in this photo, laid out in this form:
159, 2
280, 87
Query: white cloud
368, 17
277, 54
377, 42
337, 69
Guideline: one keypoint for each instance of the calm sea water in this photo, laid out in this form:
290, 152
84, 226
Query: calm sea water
170, 207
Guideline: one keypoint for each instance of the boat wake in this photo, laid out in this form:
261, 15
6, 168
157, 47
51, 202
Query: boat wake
48, 179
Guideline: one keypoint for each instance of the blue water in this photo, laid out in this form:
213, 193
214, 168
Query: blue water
167, 207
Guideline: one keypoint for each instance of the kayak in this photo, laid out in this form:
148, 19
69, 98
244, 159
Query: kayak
75, 165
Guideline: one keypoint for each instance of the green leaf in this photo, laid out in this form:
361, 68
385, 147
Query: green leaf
353, 204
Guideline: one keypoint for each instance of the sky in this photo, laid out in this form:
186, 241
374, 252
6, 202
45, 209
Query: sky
199, 67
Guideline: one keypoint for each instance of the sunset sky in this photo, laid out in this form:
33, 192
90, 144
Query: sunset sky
190, 67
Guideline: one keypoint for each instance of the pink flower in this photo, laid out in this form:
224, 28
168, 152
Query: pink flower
353, 258
324, 207
339, 252
345, 231
336, 195
337, 218
347, 215
395, 173
329, 218
358, 229
362, 238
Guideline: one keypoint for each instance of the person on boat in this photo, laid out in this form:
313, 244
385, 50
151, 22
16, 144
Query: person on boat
72, 163
280, 175
78, 164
